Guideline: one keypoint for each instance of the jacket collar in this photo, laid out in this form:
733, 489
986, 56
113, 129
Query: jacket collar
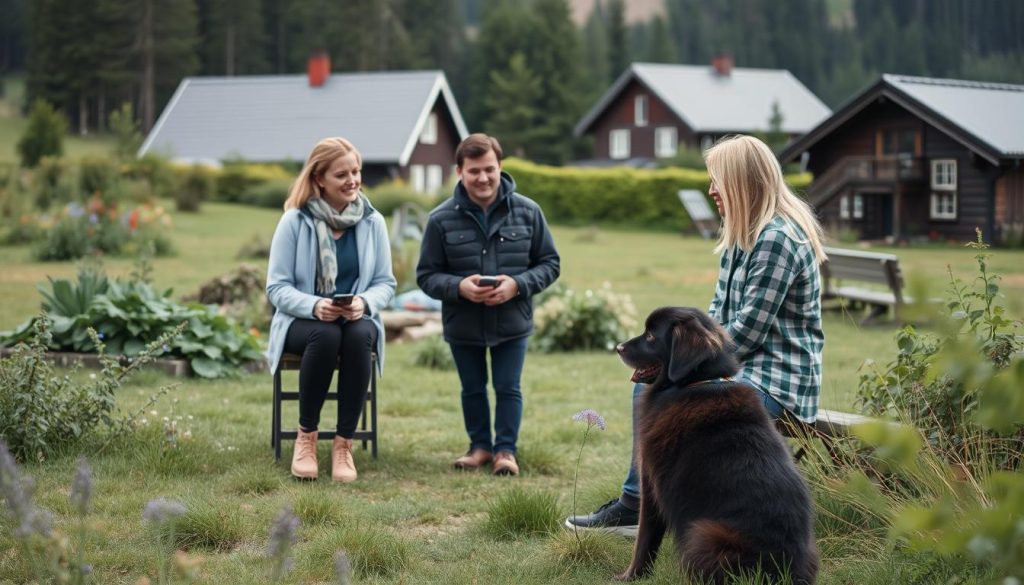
506, 187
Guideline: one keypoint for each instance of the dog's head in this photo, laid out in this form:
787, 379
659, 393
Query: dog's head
679, 345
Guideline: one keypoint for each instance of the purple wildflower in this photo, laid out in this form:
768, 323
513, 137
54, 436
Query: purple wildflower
93, 219
75, 209
81, 487
591, 417
283, 534
342, 568
161, 510
17, 492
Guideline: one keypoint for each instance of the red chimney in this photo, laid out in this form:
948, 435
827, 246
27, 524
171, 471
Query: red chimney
319, 68
722, 62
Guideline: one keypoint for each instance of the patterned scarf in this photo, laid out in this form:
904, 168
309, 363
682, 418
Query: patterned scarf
325, 219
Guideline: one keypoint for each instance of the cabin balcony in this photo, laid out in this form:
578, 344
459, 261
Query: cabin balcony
867, 172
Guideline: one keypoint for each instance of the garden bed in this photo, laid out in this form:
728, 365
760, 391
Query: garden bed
169, 366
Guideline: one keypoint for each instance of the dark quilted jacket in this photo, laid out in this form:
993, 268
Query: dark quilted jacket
517, 243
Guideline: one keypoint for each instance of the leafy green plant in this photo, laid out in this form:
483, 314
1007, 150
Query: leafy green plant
128, 315
46, 412
126, 131
567, 320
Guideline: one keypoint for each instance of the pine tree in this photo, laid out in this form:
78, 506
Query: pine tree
235, 40
660, 48
619, 54
595, 54
514, 118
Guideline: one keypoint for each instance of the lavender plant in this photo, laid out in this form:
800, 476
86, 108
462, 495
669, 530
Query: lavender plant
283, 535
160, 516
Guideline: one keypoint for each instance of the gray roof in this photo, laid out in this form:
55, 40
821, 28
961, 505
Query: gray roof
992, 112
280, 117
708, 102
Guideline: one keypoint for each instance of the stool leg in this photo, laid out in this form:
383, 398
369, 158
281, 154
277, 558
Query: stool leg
275, 421
373, 410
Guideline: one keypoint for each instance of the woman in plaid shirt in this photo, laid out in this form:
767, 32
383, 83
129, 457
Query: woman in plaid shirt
768, 297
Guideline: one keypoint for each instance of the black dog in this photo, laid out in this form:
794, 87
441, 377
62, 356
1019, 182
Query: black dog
714, 469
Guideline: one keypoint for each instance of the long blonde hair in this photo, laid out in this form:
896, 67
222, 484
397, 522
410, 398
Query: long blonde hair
753, 192
324, 153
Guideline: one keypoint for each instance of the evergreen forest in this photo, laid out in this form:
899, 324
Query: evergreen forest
521, 69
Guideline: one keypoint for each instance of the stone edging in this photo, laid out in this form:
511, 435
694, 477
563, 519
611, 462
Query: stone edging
169, 366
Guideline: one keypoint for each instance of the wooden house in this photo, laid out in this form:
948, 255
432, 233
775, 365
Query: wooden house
405, 123
652, 110
919, 158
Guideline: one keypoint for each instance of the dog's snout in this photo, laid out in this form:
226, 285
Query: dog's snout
619, 348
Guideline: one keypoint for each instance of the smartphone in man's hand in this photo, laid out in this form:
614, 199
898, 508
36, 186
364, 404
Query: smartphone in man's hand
342, 300
491, 281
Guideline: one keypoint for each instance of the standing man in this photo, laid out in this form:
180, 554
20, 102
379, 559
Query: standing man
486, 252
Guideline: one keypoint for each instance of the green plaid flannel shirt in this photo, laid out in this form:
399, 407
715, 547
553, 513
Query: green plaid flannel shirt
769, 300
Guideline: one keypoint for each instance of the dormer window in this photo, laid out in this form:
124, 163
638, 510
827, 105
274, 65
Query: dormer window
429, 134
640, 110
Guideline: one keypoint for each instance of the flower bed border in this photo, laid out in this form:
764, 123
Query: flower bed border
170, 366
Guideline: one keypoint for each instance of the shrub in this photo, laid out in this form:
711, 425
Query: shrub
158, 173
197, 184
240, 294
620, 196
237, 179
52, 182
270, 194
389, 196
433, 353
46, 413
99, 176
566, 320
126, 131
44, 135
257, 248
944, 404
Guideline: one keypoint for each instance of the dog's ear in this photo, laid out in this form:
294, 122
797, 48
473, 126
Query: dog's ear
692, 345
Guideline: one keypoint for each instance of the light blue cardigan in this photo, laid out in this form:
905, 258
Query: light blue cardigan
291, 276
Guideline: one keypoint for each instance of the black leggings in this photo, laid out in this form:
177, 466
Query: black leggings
321, 344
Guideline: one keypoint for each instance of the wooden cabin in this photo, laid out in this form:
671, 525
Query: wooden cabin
914, 158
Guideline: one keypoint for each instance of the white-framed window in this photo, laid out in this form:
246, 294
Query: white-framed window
706, 142
417, 178
666, 142
844, 207
618, 144
944, 174
858, 207
943, 205
429, 134
640, 110
434, 180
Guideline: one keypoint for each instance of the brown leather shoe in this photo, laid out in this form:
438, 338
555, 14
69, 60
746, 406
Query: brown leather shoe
473, 459
304, 464
505, 464
343, 468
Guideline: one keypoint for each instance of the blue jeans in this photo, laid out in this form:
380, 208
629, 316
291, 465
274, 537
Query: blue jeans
506, 369
632, 484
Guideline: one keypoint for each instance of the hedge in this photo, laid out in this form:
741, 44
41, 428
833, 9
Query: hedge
614, 196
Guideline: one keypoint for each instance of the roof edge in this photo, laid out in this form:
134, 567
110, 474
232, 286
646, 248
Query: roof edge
441, 88
146, 144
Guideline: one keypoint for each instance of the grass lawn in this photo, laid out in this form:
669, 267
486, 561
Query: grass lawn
409, 518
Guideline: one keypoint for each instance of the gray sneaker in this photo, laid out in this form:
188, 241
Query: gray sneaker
613, 517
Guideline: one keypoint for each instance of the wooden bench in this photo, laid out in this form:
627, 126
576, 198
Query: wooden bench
830, 425
845, 265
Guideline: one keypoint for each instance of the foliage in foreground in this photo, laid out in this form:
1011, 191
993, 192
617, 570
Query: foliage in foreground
128, 314
944, 476
46, 412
